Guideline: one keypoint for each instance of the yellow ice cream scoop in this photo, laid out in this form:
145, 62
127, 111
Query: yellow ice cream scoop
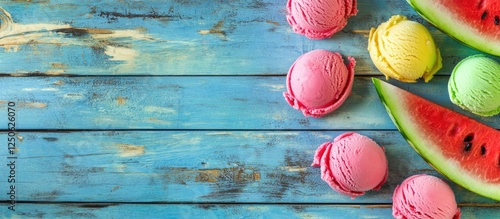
404, 50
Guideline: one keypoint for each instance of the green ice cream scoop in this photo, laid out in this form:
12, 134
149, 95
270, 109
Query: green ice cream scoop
474, 85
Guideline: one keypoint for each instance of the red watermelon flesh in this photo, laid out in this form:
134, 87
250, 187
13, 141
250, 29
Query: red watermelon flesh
473, 22
463, 149
486, 11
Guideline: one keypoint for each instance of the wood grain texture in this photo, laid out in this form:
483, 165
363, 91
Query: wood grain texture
113, 210
174, 109
195, 166
225, 102
183, 38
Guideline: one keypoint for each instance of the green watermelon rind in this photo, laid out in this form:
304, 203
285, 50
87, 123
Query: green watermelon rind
427, 149
431, 12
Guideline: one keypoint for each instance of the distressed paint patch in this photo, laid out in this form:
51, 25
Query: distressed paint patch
234, 174
120, 53
20, 138
58, 65
223, 175
157, 109
274, 87
153, 14
33, 104
28, 104
275, 23
55, 72
114, 43
49, 196
115, 188
121, 100
364, 33
136, 34
159, 121
294, 168
119, 167
58, 83
130, 150
50, 139
73, 96
216, 29
39, 89
226, 182
220, 133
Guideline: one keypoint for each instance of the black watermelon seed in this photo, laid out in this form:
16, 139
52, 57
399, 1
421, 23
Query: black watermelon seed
468, 146
497, 20
485, 13
469, 138
483, 150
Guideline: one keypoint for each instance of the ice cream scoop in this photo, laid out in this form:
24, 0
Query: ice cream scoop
424, 197
352, 164
474, 85
318, 82
404, 50
319, 19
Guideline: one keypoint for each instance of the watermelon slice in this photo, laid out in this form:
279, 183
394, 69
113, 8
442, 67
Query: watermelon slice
473, 22
464, 150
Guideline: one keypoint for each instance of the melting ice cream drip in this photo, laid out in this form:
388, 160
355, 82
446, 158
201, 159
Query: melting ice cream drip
115, 43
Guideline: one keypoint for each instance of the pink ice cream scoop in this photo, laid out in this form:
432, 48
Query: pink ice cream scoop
352, 164
319, 19
424, 197
319, 82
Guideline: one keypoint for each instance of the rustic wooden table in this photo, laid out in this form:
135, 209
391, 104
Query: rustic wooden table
174, 109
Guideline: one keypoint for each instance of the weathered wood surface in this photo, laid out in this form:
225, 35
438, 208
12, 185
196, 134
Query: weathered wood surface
195, 166
174, 109
226, 102
114, 210
181, 37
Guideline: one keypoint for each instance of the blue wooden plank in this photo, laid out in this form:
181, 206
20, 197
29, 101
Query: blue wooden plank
179, 38
206, 152
112, 210
193, 103
193, 166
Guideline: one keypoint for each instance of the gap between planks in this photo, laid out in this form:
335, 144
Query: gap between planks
348, 205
